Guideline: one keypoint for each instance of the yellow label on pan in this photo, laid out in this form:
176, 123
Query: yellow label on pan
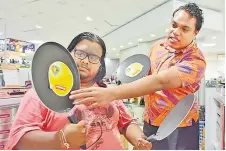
60, 78
133, 70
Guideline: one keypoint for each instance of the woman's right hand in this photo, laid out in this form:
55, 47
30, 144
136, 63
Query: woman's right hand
75, 134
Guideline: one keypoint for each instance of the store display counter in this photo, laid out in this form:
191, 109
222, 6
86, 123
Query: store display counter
8, 109
215, 119
219, 141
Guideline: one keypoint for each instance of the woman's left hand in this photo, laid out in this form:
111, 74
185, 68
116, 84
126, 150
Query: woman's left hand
96, 95
143, 145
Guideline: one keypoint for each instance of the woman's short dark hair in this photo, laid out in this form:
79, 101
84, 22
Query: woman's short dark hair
94, 38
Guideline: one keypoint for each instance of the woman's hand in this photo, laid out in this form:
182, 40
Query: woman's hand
74, 134
143, 145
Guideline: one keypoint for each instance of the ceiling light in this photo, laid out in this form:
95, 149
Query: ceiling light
121, 46
214, 37
140, 39
113, 48
209, 45
152, 35
130, 43
117, 54
89, 18
61, 2
37, 26
36, 41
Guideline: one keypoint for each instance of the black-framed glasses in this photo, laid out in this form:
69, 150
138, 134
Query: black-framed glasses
82, 55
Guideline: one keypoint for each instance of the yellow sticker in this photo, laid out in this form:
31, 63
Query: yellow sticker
133, 70
60, 78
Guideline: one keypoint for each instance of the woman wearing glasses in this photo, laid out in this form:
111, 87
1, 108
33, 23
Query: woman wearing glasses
36, 127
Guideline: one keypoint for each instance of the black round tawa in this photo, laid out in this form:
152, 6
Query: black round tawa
139, 58
44, 56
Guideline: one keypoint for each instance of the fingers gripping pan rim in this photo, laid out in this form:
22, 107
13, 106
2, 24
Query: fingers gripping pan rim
174, 118
44, 56
138, 58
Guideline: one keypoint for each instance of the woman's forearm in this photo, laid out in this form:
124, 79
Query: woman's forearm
39, 140
132, 133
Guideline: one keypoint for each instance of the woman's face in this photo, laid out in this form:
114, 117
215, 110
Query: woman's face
87, 56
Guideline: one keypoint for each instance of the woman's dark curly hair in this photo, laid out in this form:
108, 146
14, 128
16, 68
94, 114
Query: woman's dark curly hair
94, 38
194, 11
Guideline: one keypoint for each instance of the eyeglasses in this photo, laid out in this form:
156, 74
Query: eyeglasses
82, 55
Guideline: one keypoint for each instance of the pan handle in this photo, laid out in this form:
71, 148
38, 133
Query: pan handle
73, 119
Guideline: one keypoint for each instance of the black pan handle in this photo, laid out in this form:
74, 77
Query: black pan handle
73, 119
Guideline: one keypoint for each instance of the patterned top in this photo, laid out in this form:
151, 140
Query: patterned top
103, 124
191, 65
